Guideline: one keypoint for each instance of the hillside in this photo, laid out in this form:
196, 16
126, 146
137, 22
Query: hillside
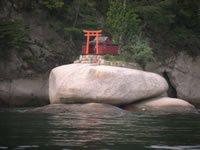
161, 36
37, 35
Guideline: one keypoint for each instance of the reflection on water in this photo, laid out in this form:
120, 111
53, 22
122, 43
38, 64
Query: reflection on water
99, 131
162, 147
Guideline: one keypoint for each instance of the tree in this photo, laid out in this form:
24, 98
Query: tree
138, 50
13, 34
122, 21
123, 24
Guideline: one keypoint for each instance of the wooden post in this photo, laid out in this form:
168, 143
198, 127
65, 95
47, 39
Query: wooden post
87, 46
97, 44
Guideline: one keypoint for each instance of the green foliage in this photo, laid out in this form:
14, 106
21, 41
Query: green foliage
187, 13
165, 14
138, 50
72, 32
30, 59
102, 6
52, 4
183, 39
156, 18
122, 22
111, 58
13, 34
73, 17
173, 25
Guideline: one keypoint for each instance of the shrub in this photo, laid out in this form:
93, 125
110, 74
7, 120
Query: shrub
111, 58
137, 51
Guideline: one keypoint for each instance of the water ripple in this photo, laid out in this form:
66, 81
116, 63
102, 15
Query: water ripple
196, 147
99, 131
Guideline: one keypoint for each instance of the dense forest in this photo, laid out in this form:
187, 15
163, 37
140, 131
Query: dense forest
147, 30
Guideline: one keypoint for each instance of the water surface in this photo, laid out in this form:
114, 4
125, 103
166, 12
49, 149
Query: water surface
98, 131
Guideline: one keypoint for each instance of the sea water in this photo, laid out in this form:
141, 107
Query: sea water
136, 130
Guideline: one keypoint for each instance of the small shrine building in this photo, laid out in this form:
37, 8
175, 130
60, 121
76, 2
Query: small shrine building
100, 45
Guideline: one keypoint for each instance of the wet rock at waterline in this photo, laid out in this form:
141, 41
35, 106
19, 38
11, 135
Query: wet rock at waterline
164, 104
85, 83
24, 92
90, 107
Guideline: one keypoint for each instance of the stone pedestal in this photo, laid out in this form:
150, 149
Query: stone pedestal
99, 60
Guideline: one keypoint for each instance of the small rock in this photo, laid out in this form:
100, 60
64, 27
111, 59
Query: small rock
164, 104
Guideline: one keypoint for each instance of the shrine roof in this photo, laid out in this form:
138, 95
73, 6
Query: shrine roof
102, 39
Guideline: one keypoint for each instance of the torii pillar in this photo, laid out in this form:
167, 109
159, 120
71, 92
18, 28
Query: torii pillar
89, 33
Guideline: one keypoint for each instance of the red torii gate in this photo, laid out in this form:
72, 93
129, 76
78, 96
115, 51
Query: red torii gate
89, 33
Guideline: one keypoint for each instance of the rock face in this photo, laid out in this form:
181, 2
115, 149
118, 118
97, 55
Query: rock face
90, 107
185, 77
183, 73
47, 49
164, 104
85, 83
24, 92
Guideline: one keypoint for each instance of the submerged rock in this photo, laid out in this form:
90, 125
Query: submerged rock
164, 104
85, 83
90, 107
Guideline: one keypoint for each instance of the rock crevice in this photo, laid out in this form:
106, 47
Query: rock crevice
183, 76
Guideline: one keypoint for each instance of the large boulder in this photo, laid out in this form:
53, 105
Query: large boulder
85, 83
90, 107
164, 104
